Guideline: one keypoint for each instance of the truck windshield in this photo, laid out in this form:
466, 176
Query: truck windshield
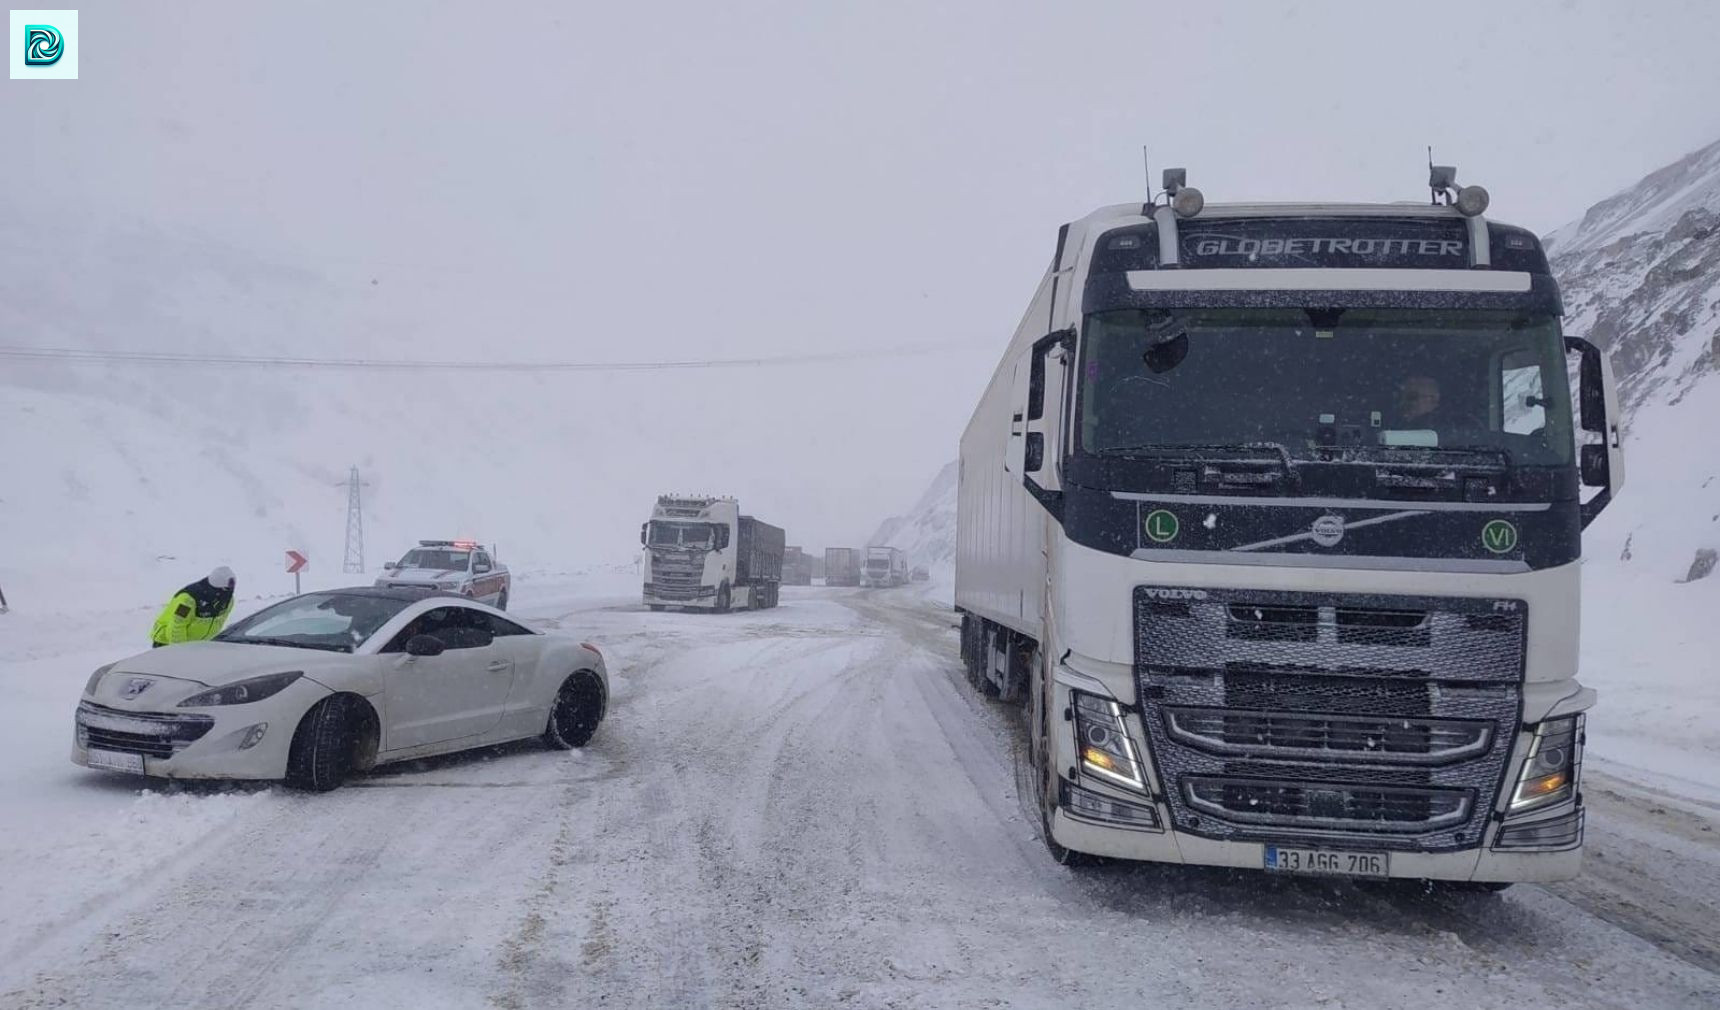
666, 534
1307, 380
442, 561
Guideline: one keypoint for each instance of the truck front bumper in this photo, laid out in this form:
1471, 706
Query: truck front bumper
1478, 864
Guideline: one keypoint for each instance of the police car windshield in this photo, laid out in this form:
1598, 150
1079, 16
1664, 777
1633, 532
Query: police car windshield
439, 560
337, 622
1376, 381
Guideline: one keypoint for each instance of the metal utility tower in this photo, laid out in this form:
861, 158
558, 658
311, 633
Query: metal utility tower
354, 564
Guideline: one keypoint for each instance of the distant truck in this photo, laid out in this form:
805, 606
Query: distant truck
796, 567
702, 554
454, 566
841, 566
885, 567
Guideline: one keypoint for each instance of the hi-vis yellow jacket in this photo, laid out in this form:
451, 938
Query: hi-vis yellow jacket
180, 622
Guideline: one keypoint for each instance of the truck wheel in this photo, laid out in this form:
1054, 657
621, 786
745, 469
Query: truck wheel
577, 711
658, 608
321, 755
723, 598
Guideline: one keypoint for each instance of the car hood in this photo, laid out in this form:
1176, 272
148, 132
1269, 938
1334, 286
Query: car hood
212, 664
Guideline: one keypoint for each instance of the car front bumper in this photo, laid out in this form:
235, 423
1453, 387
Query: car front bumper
199, 743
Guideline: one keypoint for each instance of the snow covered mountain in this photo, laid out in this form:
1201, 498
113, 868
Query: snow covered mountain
927, 532
1641, 276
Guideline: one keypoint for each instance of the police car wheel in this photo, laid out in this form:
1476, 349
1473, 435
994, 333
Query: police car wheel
502, 601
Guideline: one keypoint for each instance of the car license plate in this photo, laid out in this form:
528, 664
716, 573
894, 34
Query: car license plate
114, 761
1326, 862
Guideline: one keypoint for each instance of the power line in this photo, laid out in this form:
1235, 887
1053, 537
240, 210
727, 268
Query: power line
79, 355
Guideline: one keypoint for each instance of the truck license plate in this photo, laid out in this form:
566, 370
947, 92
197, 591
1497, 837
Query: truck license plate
1326, 862
114, 761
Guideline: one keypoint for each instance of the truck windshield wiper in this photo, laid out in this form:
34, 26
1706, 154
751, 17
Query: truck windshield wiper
1205, 453
1441, 455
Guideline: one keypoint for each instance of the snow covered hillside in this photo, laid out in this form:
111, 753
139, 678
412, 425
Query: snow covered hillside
927, 532
1641, 276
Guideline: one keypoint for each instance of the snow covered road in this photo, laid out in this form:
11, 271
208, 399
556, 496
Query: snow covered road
800, 807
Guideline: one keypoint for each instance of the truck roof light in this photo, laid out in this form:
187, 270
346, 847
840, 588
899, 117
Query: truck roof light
1188, 201
1472, 200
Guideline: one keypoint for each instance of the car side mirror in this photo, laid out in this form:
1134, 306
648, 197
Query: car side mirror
425, 645
1596, 465
389, 566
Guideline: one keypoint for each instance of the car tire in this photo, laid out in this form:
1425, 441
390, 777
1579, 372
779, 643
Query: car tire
723, 598
502, 601
321, 755
576, 713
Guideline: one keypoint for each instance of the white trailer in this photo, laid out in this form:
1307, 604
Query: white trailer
1271, 515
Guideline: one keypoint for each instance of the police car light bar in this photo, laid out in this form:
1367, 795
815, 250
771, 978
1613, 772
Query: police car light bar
464, 545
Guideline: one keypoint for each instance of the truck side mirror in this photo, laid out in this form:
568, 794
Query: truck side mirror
1594, 465
1601, 463
644, 530
1035, 456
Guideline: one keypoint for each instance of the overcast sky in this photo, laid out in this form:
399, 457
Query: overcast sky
649, 181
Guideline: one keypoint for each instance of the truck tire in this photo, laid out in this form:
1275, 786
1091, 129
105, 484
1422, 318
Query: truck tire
658, 608
1045, 782
578, 709
723, 598
321, 755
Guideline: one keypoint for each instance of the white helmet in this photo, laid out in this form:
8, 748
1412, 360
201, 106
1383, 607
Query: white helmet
221, 578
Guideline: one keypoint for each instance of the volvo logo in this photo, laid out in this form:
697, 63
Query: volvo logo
1328, 530
1173, 594
134, 687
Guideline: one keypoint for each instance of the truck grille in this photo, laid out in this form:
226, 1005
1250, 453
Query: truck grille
1326, 806
1380, 721
152, 734
676, 576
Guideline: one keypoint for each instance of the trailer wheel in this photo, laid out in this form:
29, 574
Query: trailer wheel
723, 598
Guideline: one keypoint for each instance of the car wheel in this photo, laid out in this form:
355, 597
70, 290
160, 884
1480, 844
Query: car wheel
577, 710
502, 601
321, 756
723, 598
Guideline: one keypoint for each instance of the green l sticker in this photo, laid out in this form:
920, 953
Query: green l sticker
1160, 526
1499, 536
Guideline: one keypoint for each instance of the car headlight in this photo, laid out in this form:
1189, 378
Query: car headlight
1106, 750
1550, 774
244, 692
96, 678
446, 585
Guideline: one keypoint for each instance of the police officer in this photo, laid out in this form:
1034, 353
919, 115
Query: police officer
197, 612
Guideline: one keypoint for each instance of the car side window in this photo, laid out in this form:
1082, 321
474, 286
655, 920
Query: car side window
481, 562
501, 627
428, 623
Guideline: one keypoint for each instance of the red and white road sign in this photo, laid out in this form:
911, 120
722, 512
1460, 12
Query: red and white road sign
296, 562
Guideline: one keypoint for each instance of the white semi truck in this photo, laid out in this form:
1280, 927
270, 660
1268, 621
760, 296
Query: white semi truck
884, 567
1272, 515
702, 554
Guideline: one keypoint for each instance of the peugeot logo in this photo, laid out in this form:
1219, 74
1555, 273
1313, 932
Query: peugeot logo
134, 687
1328, 530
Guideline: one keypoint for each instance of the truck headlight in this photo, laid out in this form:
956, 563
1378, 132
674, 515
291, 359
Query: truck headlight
244, 692
1106, 750
96, 678
1549, 775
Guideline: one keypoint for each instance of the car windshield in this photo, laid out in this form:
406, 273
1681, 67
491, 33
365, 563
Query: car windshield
337, 622
670, 534
432, 558
1304, 380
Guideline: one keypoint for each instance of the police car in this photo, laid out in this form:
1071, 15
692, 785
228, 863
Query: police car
450, 566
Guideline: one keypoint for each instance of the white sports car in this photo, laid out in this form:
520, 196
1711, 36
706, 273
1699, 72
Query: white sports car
326, 684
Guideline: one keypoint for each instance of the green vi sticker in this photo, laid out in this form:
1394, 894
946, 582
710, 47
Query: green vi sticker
1160, 526
1499, 536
